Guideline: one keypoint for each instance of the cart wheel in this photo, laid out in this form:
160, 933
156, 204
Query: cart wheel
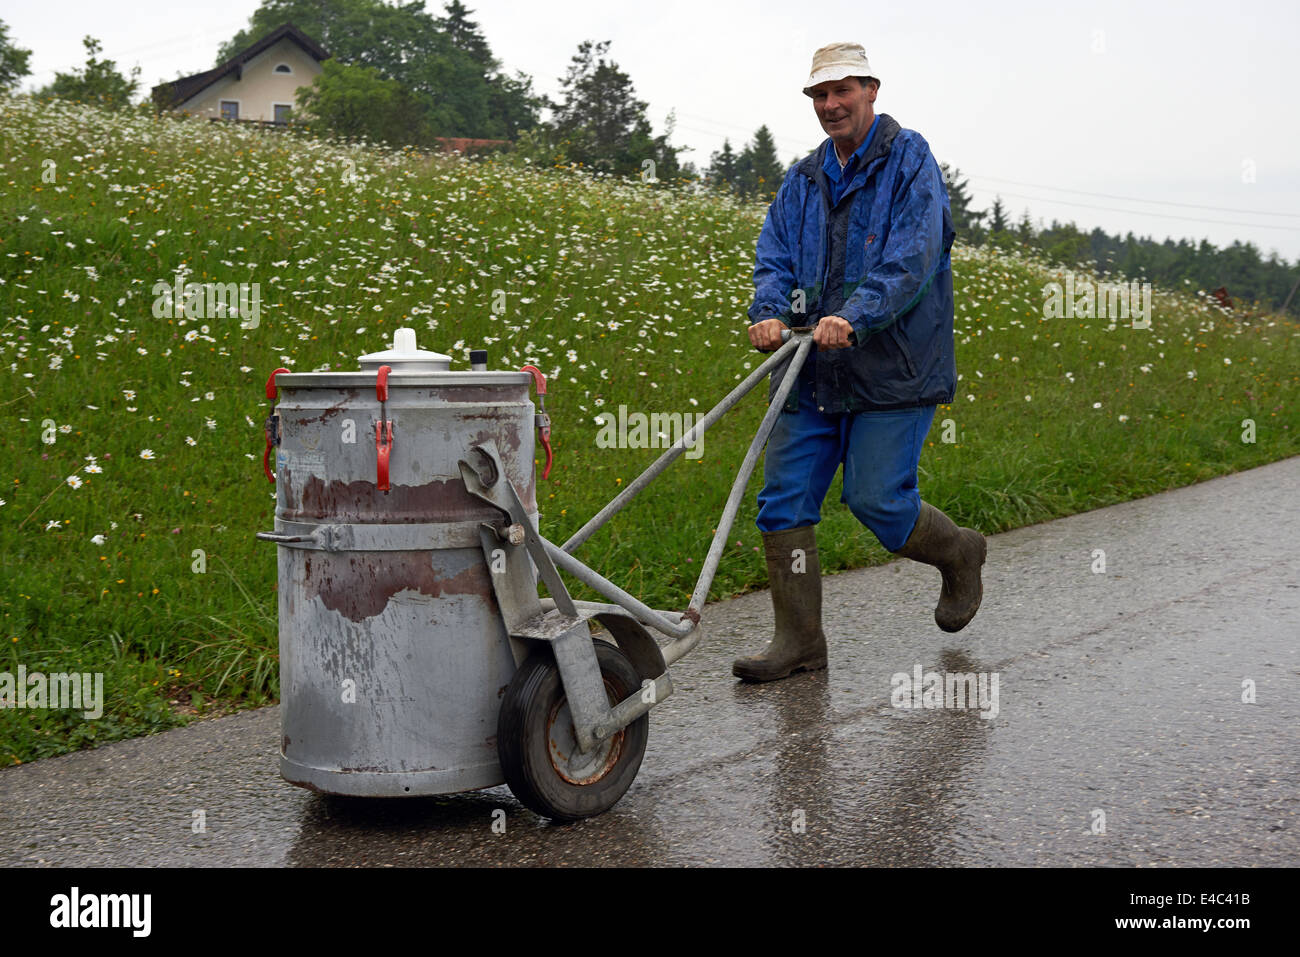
538, 750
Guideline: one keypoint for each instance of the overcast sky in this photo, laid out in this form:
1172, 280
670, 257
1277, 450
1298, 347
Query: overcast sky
1104, 113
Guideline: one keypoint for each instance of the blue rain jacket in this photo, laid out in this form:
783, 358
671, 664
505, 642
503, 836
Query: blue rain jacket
880, 259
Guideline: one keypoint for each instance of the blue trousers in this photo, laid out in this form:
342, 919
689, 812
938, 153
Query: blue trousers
879, 452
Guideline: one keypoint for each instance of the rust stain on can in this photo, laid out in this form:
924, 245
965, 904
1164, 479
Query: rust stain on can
506, 436
339, 407
359, 585
509, 444
445, 500
343, 405
361, 501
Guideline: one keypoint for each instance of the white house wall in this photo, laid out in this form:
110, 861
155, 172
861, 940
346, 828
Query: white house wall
259, 89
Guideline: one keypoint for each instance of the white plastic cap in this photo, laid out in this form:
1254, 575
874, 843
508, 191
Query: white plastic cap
406, 357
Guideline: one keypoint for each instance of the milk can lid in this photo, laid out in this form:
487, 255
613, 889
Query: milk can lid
405, 357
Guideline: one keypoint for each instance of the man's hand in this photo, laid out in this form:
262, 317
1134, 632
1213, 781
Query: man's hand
832, 333
766, 335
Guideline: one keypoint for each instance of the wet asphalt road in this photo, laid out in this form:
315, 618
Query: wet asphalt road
1119, 694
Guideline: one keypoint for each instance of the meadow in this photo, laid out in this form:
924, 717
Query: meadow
130, 444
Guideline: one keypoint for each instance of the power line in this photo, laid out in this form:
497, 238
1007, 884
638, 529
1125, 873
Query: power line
1042, 199
775, 135
1143, 212
1135, 199
159, 48
783, 143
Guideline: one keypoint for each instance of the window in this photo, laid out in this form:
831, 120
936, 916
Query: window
281, 112
282, 68
230, 109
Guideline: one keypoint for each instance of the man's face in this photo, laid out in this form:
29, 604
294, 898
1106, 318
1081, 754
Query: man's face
844, 108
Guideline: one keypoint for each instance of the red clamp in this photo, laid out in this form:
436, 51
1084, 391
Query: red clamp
272, 425
383, 430
542, 420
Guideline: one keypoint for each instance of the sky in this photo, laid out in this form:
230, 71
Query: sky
1161, 118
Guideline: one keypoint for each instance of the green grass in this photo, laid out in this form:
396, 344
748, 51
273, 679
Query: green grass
646, 285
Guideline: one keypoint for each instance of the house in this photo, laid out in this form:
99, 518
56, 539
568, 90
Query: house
257, 84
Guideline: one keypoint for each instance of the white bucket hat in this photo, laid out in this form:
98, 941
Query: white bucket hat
835, 61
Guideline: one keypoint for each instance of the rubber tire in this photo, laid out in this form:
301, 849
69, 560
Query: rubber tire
523, 745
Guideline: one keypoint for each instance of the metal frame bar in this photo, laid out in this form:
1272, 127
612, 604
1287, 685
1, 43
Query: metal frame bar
564, 628
801, 345
620, 501
593, 719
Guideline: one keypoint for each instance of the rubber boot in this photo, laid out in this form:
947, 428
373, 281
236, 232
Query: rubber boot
958, 553
799, 643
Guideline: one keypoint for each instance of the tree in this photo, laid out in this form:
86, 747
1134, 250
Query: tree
445, 64
358, 101
966, 221
999, 222
465, 36
98, 82
758, 170
601, 123
755, 172
457, 72
1241, 267
355, 31
14, 60
1025, 229
1065, 244
722, 167
513, 104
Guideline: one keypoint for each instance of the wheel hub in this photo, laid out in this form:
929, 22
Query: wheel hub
575, 766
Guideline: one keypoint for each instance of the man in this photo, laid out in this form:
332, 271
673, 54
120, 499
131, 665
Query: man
856, 242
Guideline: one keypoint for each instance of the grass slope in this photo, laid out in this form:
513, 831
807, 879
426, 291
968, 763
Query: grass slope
621, 292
